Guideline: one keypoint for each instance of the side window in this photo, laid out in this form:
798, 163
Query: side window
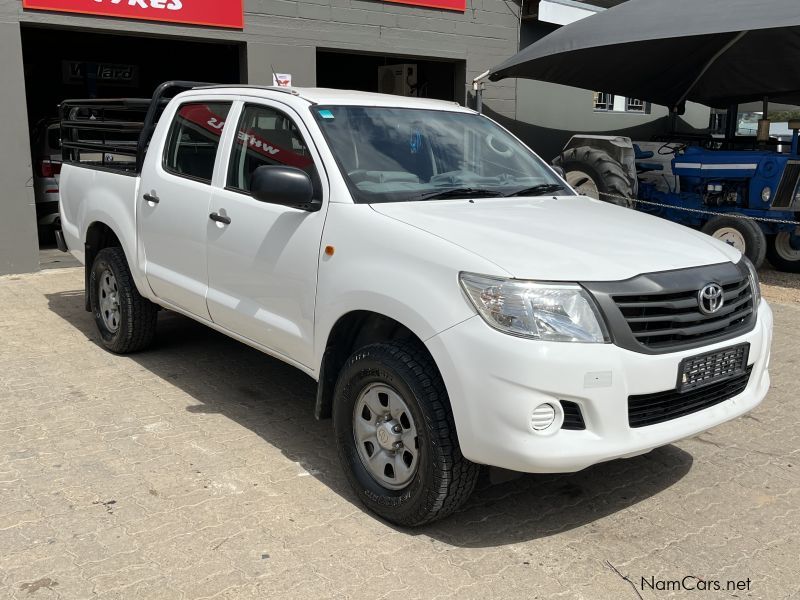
267, 137
194, 139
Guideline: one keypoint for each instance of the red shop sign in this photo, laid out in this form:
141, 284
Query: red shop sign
460, 5
211, 13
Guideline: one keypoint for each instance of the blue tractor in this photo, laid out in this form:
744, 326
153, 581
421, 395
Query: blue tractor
749, 198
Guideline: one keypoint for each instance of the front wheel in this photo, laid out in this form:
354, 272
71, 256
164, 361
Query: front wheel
780, 253
126, 321
396, 436
743, 234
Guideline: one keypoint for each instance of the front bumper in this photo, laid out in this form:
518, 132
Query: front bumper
495, 381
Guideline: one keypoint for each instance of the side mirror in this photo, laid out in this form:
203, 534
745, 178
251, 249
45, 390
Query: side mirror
287, 186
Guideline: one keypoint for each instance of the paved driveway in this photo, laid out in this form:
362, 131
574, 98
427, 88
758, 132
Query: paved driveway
196, 470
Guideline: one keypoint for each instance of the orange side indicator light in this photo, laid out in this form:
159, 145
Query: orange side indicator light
329, 250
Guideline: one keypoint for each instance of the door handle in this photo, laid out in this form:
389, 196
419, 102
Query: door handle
220, 218
151, 198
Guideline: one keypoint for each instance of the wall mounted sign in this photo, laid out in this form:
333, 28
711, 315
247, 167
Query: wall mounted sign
460, 5
210, 13
107, 73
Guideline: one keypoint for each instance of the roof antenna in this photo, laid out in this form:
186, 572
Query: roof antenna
274, 75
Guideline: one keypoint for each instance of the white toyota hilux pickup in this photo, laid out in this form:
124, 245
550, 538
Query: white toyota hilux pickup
458, 303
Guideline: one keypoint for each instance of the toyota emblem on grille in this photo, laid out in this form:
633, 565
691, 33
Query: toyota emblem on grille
710, 298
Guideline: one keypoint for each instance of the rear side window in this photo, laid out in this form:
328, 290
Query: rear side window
194, 139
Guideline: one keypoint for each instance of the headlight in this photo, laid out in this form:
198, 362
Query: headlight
542, 311
753, 281
766, 194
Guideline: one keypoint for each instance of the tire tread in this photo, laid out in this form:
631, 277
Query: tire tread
755, 240
613, 178
140, 324
454, 476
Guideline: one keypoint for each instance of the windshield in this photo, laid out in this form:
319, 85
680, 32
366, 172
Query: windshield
407, 154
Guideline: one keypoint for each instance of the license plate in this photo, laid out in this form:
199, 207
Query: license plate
705, 369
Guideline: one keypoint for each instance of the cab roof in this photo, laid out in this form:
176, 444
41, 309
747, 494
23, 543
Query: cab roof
331, 96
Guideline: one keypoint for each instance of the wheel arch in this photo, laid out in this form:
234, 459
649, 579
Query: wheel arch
105, 233
98, 235
353, 330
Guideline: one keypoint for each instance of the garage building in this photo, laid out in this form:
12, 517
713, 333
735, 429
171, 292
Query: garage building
51, 50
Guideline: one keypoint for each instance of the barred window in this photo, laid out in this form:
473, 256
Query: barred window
603, 101
634, 105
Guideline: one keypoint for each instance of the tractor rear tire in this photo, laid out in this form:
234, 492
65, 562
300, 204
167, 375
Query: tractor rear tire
744, 235
594, 173
781, 255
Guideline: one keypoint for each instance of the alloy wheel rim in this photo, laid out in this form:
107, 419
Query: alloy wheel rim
108, 295
386, 436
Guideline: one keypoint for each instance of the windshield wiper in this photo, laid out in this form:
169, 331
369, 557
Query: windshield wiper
536, 190
462, 192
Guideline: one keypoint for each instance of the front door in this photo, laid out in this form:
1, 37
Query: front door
174, 205
262, 261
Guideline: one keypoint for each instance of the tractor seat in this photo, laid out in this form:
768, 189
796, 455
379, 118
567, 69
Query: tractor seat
643, 167
640, 154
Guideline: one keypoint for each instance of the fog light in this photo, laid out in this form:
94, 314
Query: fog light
543, 416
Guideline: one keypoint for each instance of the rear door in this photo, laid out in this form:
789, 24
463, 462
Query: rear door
262, 262
174, 202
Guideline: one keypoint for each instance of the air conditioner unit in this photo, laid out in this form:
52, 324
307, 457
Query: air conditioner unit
400, 80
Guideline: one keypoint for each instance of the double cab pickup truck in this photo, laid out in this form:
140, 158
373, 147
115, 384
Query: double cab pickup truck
458, 303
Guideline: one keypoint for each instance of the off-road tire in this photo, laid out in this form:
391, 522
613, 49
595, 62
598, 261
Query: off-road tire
444, 478
755, 242
608, 175
776, 259
137, 315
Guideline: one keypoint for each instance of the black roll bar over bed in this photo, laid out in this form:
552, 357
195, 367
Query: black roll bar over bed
107, 128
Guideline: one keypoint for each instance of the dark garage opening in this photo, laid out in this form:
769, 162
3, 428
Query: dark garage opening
439, 79
67, 63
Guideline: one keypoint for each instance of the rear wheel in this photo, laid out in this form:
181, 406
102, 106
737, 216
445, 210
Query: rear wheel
126, 321
594, 173
780, 253
396, 436
743, 234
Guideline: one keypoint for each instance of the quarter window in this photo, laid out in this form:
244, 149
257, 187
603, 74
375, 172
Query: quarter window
194, 139
266, 136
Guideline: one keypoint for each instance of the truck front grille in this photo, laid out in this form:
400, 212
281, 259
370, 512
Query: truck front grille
660, 312
784, 196
667, 320
649, 409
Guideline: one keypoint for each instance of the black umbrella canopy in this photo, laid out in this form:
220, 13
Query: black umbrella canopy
715, 52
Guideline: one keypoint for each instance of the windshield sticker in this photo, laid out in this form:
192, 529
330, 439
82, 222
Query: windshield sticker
416, 141
326, 114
